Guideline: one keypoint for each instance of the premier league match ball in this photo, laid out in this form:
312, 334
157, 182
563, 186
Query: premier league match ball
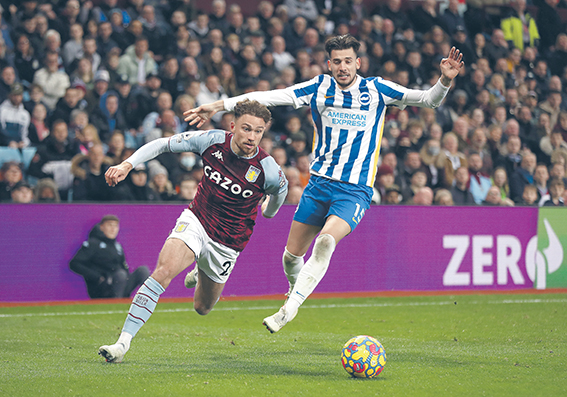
363, 357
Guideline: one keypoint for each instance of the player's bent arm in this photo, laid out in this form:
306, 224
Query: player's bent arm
275, 186
430, 98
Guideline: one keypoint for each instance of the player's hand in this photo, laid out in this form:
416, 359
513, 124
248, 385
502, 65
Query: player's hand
265, 205
200, 115
118, 173
451, 66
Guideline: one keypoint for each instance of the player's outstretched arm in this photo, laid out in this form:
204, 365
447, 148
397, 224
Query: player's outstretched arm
117, 173
203, 113
451, 66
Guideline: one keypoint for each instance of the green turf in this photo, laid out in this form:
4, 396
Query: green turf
485, 345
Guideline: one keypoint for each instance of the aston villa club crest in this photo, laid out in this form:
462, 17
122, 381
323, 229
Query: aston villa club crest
252, 174
181, 226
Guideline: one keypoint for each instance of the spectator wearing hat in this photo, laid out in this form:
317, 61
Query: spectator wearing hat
137, 62
159, 181
102, 263
10, 174
128, 103
147, 95
46, 191
384, 180
136, 188
22, 193
53, 81
14, 119
108, 118
96, 96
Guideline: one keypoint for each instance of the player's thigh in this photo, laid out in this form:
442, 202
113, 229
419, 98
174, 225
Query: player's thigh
207, 293
174, 257
300, 237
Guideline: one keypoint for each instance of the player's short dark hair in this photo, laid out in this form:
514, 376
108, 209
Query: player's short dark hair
108, 218
253, 108
343, 42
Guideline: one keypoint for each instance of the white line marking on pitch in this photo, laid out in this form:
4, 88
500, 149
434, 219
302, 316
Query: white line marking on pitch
333, 306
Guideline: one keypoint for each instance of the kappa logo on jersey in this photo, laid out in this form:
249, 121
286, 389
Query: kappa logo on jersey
218, 155
226, 183
282, 178
180, 228
365, 98
252, 174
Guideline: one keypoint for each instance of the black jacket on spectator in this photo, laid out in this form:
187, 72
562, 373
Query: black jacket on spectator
462, 197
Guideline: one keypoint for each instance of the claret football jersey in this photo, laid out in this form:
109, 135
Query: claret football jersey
227, 199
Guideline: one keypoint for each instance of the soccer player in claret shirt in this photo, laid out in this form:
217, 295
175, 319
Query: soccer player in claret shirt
219, 221
348, 111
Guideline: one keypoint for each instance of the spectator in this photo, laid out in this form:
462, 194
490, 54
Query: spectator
72, 49
137, 62
88, 171
493, 198
520, 29
453, 18
529, 196
443, 197
211, 91
14, 119
53, 81
10, 174
65, 105
479, 182
434, 162
26, 61
509, 157
500, 179
101, 262
304, 8
22, 193
393, 195
555, 196
104, 41
159, 181
96, 97
418, 180
187, 188
424, 196
454, 159
541, 177
497, 47
46, 192
53, 158
425, 17
522, 176
136, 188
108, 118
460, 190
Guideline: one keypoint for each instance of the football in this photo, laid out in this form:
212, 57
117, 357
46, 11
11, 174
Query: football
363, 357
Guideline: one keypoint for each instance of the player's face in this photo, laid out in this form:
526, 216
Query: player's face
248, 131
343, 66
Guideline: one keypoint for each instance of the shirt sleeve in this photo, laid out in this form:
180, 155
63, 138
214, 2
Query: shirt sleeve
297, 95
275, 185
397, 95
192, 141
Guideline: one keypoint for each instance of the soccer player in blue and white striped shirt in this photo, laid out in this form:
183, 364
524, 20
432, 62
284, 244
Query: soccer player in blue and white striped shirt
348, 111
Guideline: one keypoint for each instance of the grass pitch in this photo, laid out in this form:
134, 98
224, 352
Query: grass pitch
467, 345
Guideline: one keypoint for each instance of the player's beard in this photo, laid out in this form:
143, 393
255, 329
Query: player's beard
345, 86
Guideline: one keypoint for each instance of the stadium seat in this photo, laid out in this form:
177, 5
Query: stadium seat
10, 154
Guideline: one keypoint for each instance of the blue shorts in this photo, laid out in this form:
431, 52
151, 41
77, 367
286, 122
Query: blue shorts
323, 197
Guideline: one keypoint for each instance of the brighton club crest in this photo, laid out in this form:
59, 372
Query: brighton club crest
252, 174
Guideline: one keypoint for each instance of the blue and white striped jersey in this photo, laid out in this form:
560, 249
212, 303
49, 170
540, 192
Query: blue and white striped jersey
348, 124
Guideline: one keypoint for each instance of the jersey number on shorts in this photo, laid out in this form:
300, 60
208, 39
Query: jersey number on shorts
226, 268
358, 214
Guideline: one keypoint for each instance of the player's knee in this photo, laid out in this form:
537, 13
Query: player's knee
202, 308
324, 247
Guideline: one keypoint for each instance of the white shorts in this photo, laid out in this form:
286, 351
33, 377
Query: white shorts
214, 259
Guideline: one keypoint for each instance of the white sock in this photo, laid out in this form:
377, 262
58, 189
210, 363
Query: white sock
292, 265
125, 338
313, 271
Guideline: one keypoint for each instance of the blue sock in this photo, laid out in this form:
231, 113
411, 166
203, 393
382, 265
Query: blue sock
143, 306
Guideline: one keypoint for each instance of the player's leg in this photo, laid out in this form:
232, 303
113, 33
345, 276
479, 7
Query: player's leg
207, 293
174, 257
300, 237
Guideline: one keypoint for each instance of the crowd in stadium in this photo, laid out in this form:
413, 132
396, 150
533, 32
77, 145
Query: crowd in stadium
83, 84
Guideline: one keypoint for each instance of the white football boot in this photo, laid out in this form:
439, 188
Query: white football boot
191, 278
113, 353
276, 321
